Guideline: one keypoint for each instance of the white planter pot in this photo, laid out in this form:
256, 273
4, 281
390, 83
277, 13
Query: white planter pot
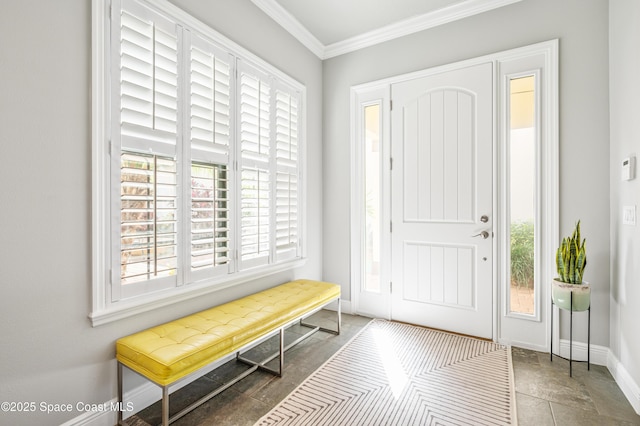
561, 295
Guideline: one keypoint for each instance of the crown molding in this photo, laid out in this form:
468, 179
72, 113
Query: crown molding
413, 25
279, 14
399, 29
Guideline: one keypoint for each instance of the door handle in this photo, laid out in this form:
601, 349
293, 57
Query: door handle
483, 234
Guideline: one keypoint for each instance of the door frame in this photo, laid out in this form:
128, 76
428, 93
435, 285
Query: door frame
550, 167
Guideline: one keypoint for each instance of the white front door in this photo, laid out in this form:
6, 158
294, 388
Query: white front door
442, 201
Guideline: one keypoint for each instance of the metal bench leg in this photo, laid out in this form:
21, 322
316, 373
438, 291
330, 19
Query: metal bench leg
339, 315
327, 330
281, 352
120, 399
262, 365
165, 406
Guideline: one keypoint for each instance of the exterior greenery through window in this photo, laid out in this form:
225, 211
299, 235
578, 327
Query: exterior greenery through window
522, 254
204, 156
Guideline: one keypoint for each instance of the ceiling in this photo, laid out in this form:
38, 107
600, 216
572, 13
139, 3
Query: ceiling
331, 21
333, 27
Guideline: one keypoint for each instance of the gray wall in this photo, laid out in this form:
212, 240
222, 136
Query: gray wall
582, 27
49, 351
625, 140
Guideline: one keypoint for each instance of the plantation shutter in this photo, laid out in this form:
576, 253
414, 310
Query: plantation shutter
210, 135
144, 148
255, 167
204, 173
148, 198
287, 174
210, 101
148, 84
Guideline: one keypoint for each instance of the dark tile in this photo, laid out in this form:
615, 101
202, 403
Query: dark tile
609, 399
524, 355
549, 380
136, 421
533, 411
551, 384
230, 408
571, 416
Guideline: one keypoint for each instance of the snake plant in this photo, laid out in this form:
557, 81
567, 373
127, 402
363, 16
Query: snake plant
571, 258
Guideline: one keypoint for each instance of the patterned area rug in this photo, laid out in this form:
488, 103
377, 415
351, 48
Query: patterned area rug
398, 374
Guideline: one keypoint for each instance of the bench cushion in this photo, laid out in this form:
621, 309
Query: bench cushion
173, 350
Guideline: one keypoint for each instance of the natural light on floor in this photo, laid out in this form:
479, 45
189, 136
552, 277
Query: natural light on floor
396, 376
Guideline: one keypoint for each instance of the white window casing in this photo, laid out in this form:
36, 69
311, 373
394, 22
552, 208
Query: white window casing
197, 161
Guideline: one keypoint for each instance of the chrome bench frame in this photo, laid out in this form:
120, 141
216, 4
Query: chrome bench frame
254, 365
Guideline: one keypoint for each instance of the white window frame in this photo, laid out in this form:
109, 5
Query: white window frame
365, 301
505, 164
188, 285
541, 60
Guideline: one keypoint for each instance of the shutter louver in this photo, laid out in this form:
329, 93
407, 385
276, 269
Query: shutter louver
254, 118
255, 213
210, 103
255, 193
286, 212
148, 243
148, 79
287, 198
286, 129
209, 216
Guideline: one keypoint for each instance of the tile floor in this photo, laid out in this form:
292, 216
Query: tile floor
545, 394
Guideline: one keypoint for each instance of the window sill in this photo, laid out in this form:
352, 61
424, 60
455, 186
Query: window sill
138, 305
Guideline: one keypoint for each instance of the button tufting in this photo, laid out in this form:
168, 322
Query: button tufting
170, 351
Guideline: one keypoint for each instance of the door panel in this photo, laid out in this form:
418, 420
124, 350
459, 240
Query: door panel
438, 154
438, 274
441, 187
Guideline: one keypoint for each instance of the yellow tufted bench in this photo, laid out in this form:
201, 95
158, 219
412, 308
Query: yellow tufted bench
169, 352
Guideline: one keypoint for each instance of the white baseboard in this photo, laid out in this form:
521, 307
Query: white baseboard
524, 345
345, 307
90, 418
599, 354
627, 385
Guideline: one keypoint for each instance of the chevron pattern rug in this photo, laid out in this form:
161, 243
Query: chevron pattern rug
398, 374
